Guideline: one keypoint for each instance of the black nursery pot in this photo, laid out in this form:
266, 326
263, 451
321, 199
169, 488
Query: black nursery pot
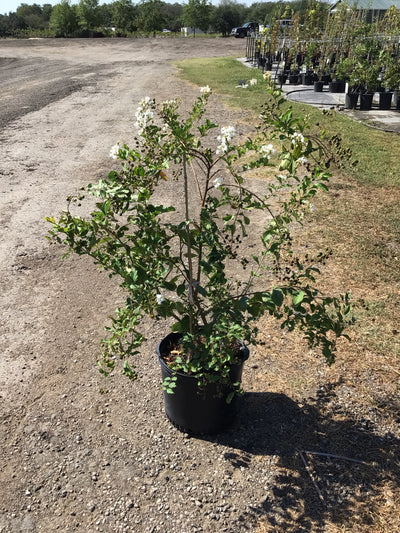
337, 86
351, 100
385, 100
318, 86
194, 410
307, 78
293, 79
366, 101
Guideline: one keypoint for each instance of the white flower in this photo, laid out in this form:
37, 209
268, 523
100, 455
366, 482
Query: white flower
144, 114
253, 81
205, 90
221, 149
217, 182
282, 177
311, 207
267, 150
227, 134
114, 152
297, 138
301, 160
160, 299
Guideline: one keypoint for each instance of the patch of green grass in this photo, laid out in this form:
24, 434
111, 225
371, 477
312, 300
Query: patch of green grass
376, 151
223, 74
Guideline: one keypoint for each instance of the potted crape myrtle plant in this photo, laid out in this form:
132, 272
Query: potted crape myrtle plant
206, 262
391, 80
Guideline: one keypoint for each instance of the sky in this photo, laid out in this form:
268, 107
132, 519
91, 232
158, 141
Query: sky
7, 6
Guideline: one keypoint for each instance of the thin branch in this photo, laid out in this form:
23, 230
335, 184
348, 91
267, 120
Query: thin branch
342, 457
196, 180
188, 245
309, 472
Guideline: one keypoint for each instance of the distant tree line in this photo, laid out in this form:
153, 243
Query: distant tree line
124, 18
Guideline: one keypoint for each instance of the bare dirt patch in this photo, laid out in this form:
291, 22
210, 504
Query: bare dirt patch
82, 454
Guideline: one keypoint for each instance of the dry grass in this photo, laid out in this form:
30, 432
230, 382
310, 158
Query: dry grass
354, 405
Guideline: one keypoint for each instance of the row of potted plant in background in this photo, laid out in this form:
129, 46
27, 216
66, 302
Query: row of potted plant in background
347, 50
358, 74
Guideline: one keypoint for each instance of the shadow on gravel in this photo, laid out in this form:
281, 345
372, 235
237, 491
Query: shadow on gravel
328, 468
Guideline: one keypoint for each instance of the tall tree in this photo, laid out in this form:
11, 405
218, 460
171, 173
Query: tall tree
32, 16
227, 15
197, 14
124, 15
151, 15
63, 19
88, 14
172, 16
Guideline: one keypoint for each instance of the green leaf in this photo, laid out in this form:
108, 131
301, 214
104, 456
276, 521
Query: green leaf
277, 297
298, 298
182, 326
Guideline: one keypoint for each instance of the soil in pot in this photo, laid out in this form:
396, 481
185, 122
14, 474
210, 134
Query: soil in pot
194, 409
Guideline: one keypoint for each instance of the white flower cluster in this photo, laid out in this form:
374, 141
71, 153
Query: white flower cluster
168, 103
301, 160
227, 134
267, 150
144, 113
114, 152
297, 138
205, 90
253, 81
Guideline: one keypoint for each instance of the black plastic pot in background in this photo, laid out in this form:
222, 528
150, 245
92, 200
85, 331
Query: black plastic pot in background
351, 100
366, 101
293, 79
385, 100
194, 410
318, 86
337, 86
307, 78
